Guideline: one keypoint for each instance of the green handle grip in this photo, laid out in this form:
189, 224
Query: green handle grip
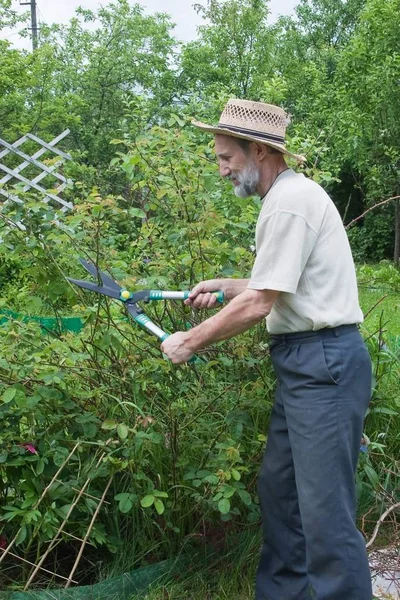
220, 296
144, 321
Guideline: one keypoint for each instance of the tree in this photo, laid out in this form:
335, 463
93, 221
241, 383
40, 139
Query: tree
80, 77
366, 99
233, 51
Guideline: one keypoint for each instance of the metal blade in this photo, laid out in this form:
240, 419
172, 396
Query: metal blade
104, 277
93, 287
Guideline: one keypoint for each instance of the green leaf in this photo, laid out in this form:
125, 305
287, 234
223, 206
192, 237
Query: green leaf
125, 502
384, 411
159, 504
136, 212
213, 479
160, 494
224, 506
236, 475
40, 466
9, 395
89, 430
147, 501
21, 535
122, 431
372, 475
245, 497
228, 491
203, 474
96, 210
108, 425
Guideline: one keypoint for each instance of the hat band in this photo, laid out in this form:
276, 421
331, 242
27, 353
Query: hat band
266, 136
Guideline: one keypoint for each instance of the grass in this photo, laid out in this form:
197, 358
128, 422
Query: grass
381, 308
228, 575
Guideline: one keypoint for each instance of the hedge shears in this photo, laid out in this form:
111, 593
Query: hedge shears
111, 288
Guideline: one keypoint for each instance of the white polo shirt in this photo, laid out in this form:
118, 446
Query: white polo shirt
303, 252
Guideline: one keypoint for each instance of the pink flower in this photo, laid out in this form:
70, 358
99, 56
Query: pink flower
30, 447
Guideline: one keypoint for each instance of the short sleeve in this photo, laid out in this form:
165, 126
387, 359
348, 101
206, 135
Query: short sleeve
284, 243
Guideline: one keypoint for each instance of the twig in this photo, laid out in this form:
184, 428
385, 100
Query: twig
33, 565
369, 210
374, 306
96, 512
11, 544
381, 519
363, 519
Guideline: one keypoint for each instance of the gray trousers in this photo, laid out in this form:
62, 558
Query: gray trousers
312, 548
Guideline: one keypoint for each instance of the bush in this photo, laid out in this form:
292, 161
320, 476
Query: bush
373, 241
180, 445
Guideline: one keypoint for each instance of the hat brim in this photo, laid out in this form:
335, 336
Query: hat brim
252, 138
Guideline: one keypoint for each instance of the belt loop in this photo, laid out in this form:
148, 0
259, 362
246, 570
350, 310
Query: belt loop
336, 331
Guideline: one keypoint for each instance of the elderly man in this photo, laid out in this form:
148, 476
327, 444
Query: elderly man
303, 281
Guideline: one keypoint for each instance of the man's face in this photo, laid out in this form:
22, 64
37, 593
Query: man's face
237, 165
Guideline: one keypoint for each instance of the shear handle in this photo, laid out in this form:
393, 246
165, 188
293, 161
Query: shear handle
145, 322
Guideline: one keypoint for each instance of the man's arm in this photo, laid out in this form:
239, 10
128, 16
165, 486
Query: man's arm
244, 311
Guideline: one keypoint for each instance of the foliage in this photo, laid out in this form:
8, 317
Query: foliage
373, 241
182, 444
233, 51
339, 66
79, 77
379, 473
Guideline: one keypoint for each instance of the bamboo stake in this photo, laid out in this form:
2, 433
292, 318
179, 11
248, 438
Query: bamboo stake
33, 564
53, 541
11, 544
78, 558
76, 490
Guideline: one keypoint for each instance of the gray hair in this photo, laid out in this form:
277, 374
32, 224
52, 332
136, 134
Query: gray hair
245, 146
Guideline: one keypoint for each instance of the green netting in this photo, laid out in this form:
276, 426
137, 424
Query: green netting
74, 324
125, 587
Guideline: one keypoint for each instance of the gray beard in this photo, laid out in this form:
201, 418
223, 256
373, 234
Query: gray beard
248, 179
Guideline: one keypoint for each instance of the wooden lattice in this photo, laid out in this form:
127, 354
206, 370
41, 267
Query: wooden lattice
13, 175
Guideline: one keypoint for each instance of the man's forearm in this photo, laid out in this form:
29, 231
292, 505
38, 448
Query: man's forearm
244, 311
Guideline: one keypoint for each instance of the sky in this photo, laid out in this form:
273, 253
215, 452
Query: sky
181, 11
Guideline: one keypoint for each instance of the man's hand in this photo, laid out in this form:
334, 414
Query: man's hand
201, 295
176, 348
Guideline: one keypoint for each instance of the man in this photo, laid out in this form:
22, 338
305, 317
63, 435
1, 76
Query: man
303, 281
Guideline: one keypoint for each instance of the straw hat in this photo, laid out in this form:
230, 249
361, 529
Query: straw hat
254, 121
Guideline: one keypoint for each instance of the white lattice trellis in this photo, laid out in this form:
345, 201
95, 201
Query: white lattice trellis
13, 175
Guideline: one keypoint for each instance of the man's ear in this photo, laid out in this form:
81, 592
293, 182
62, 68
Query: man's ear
260, 151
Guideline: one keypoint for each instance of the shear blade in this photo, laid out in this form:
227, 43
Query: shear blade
104, 277
93, 287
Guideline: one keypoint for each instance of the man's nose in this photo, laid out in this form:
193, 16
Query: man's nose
224, 170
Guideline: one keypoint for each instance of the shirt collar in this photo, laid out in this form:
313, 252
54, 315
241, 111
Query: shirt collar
284, 175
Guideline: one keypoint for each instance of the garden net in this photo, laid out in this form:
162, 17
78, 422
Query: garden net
124, 587
74, 324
